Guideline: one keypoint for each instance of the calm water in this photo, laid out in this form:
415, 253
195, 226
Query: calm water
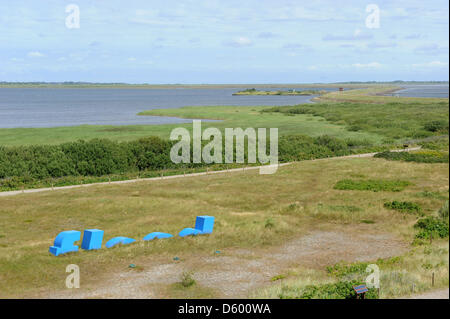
433, 90
67, 107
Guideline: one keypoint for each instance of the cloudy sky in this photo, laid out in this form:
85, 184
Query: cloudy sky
246, 41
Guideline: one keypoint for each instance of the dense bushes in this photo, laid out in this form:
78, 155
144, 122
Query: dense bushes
93, 158
372, 185
425, 156
432, 226
301, 147
25, 165
408, 207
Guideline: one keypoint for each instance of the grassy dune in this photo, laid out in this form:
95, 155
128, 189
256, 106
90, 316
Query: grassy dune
252, 211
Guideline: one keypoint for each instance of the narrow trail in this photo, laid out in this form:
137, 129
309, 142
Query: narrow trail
238, 272
434, 294
37, 190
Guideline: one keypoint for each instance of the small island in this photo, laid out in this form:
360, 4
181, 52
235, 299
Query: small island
288, 92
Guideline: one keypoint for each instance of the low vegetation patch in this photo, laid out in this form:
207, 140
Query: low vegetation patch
432, 226
437, 126
279, 92
338, 290
423, 156
394, 120
443, 211
429, 194
187, 279
372, 185
440, 144
407, 207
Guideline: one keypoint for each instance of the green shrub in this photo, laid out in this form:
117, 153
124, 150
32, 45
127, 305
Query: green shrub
187, 280
372, 185
408, 207
338, 290
432, 226
269, 223
436, 126
340, 270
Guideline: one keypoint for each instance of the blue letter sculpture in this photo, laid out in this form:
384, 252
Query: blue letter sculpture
203, 225
92, 239
64, 242
158, 235
119, 240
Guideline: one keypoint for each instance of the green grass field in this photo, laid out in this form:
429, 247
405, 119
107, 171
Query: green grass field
253, 212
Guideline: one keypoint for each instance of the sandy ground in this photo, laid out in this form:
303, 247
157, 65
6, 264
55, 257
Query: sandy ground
435, 294
235, 273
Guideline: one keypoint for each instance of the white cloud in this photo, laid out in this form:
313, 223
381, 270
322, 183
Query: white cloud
240, 42
374, 65
35, 54
432, 64
357, 35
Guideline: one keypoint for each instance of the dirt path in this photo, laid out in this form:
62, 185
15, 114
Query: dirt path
236, 272
435, 294
37, 190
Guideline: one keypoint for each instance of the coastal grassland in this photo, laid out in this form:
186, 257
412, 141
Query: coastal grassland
279, 92
374, 95
395, 121
252, 211
400, 276
229, 116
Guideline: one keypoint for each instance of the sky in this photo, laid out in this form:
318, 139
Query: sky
251, 41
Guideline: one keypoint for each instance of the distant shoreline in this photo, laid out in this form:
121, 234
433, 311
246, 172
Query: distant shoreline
283, 93
86, 85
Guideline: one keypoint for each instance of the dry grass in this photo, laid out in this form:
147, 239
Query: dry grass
400, 277
296, 199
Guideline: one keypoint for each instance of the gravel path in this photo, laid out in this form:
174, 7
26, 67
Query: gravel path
435, 294
235, 273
